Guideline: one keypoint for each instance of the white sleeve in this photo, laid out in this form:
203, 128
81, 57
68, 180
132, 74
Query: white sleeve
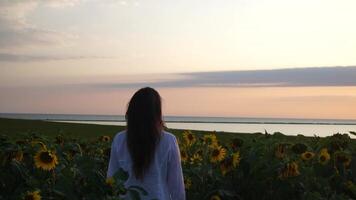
113, 163
175, 174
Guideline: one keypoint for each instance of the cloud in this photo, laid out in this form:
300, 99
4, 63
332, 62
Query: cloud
17, 32
293, 77
12, 39
317, 76
4, 57
60, 3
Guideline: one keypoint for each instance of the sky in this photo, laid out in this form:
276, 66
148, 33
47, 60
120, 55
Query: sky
235, 58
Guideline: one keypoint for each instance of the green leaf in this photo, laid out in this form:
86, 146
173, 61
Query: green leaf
121, 175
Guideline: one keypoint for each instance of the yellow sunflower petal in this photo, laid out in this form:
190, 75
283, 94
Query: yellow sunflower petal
215, 197
46, 160
35, 195
217, 154
189, 138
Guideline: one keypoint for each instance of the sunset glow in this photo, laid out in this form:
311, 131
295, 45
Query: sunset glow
206, 58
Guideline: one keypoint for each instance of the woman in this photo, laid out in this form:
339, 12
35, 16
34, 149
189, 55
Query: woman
148, 153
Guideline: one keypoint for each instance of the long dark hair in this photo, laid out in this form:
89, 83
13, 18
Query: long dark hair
144, 125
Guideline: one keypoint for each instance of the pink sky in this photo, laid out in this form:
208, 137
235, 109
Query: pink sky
289, 102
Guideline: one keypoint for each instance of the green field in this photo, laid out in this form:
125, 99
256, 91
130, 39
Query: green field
18, 128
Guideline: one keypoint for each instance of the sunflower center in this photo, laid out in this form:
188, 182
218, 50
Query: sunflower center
322, 158
29, 197
216, 152
190, 137
308, 155
46, 157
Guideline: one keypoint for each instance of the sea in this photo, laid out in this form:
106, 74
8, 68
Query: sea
306, 127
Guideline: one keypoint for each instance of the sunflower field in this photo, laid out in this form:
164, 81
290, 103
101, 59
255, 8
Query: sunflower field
35, 168
254, 166
269, 166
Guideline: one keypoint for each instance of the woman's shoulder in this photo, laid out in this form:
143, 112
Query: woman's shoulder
169, 137
119, 136
168, 134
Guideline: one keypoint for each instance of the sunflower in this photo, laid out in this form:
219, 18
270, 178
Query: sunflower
189, 137
324, 156
210, 140
323, 150
35, 195
235, 159
110, 181
307, 155
183, 156
217, 154
215, 197
187, 183
290, 170
280, 151
105, 138
45, 160
196, 158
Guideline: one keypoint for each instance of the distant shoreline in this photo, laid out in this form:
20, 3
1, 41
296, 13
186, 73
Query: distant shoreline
210, 122
181, 119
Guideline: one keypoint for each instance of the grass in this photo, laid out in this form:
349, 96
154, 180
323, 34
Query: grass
17, 128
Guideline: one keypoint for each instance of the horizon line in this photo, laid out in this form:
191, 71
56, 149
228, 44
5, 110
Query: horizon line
192, 116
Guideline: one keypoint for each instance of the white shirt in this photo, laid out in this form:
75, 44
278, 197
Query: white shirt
164, 178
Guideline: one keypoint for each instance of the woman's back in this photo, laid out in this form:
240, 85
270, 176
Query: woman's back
163, 180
